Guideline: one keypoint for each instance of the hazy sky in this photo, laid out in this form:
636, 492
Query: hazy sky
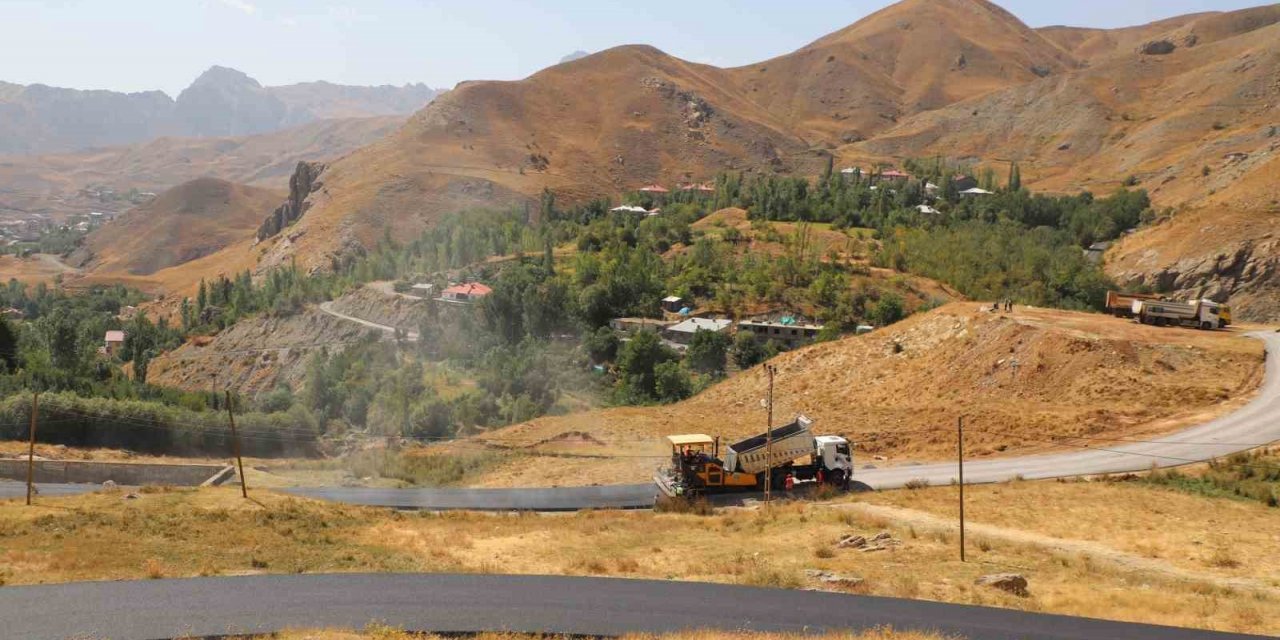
133, 45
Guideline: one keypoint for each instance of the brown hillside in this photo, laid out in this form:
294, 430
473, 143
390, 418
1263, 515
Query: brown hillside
1196, 127
1077, 374
185, 223
595, 126
913, 56
52, 184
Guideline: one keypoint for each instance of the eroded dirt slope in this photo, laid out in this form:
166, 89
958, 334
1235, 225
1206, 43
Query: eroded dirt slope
1020, 379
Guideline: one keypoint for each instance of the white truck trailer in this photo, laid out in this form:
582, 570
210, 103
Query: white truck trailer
1200, 314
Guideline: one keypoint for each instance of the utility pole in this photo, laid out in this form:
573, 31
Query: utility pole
235, 447
31, 445
960, 460
768, 440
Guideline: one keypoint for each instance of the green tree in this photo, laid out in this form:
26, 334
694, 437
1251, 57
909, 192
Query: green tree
708, 351
8, 347
672, 382
638, 359
601, 345
887, 311
747, 350
1015, 177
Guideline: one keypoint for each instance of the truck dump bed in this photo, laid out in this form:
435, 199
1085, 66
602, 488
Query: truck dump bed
790, 442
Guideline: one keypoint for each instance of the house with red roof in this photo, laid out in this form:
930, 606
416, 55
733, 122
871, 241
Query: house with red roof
466, 292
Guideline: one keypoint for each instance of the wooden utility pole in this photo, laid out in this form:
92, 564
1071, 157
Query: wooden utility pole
960, 460
31, 445
768, 440
235, 447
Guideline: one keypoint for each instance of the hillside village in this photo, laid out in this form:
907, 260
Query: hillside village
976, 317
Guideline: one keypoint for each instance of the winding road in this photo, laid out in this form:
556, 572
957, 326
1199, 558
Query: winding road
456, 604
1256, 424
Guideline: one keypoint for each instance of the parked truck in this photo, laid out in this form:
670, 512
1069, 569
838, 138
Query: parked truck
1120, 305
1201, 314
795, 456
1124, 305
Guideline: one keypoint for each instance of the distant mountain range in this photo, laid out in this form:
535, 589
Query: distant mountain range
38, 119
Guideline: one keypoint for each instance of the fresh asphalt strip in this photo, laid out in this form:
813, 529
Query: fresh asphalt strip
466, 603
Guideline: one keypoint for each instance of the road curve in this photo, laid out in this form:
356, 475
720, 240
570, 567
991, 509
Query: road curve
1255, 424
455, 603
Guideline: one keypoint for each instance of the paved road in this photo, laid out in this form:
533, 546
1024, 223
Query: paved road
208, 607
1255, 424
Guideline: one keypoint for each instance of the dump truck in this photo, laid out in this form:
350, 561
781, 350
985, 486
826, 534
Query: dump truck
795, 456
1120, 305
1201, 314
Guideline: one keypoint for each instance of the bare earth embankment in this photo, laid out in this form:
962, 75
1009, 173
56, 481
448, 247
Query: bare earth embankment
1021, 379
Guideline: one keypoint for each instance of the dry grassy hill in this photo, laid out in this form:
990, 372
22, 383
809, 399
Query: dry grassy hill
1196, 125
185, 223
1184, 107
1077, 374
913, 56
594, 126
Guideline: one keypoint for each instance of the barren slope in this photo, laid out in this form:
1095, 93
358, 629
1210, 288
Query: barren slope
1076, 374
52, 184
913, 56
185, 223
253, 355
1196, 127
595, 126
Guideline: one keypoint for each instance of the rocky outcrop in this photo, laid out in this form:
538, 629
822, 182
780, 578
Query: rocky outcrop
1246, 274
1011, 582
1158, 48
304, 181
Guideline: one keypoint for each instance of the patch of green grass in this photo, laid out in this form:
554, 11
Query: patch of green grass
1251, 476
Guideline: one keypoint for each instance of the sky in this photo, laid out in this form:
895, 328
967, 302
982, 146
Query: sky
137, 45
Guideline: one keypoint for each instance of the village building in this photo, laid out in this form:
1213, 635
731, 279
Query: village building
13, 313
655, 189
964, 182
113, 342
924, 208
894, 174
631, 326
975, 192
787, 331
673, 304
1095, 251
682, 333
422, 290
465, 293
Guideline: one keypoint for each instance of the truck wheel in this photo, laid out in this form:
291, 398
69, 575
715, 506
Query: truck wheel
838, 479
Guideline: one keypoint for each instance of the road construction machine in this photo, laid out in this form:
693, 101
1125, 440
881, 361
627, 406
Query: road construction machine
790, 454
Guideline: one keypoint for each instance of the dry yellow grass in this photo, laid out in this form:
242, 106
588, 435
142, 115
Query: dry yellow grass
386, 633
33, 270
1080, 544
1077, 374
393, 634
